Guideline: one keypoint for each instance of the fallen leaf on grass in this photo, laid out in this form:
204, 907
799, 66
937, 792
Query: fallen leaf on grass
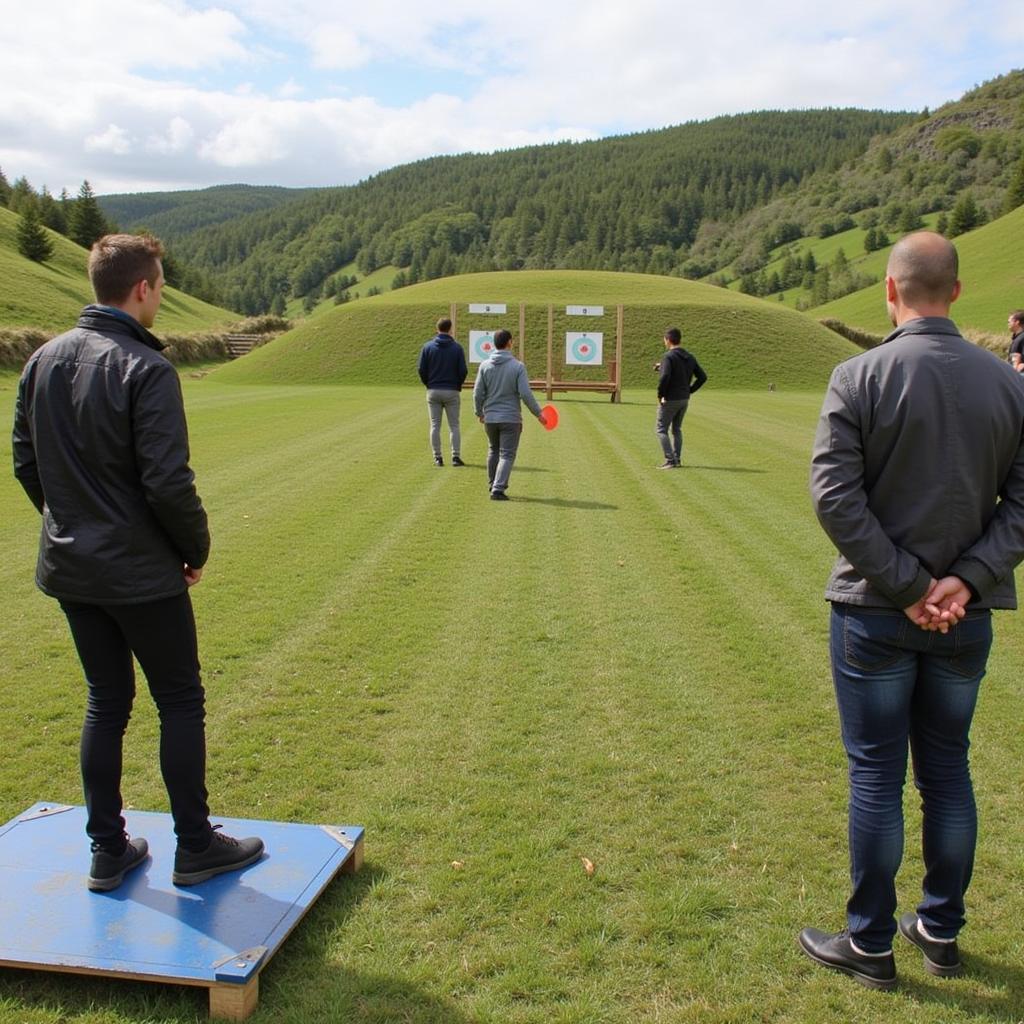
458, 864
588, 866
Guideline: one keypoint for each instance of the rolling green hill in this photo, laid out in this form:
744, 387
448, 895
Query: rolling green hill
50, 295
742, 342
990, 268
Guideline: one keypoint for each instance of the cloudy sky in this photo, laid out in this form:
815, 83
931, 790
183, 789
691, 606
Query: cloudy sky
138, 95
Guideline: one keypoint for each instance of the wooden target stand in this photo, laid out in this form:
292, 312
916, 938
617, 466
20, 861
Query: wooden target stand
217, 935
550, 383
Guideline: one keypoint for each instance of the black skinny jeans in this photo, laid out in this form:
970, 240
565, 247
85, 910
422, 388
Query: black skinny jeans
162, 636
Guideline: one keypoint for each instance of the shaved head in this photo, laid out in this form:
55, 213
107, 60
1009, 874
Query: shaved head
925, 268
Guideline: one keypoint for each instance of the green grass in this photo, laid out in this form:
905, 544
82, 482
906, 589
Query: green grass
619, 664
740, 341
992, 275
51, 295
380, 278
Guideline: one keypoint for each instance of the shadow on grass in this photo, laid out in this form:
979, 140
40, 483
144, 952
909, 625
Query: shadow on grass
308, 982
979, 971
724, 469
595, 506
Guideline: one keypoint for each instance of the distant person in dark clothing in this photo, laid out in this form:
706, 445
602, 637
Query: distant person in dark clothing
443, 371
101, 449
681, 376
1016, 325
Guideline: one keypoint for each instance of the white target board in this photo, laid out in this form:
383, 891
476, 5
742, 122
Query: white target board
584, 349
584, 310
488, 307
481, 346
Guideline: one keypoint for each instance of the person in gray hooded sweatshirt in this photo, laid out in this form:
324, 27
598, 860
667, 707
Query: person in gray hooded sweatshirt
501, 384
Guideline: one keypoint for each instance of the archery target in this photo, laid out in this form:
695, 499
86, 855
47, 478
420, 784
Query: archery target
481, 346
583, 349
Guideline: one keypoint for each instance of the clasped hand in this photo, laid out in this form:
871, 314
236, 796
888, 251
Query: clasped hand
943, 606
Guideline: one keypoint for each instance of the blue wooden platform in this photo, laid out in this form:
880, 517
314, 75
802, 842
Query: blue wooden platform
218, 934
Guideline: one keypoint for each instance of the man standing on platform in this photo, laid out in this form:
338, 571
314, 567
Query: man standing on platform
443, 370
101, 449
681, 376
501, 384
917, 477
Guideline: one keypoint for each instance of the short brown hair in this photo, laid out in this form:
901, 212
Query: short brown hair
502, 338
118, 262
1018, 316
444, 325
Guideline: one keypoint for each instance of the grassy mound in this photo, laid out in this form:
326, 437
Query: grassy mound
991, 271
742, 342
51, 295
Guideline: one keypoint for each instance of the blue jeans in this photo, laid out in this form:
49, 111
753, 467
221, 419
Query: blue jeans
897, 684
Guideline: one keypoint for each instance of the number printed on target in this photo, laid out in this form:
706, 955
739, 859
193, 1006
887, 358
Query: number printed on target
583, 349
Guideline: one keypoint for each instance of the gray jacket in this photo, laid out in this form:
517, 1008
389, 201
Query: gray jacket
500, 383
918, 469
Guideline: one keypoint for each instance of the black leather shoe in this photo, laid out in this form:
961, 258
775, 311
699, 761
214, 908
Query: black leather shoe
835, 950
456, 461
940, 958
438, 461
499, 496
224, 853
108, 870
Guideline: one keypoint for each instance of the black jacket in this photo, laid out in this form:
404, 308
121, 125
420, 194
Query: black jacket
101, 448
678, 370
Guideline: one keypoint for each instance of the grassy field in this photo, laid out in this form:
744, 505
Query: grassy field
739, 340
619, 664
51, 295
992, 275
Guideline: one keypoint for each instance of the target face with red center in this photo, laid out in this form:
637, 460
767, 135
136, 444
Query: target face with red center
583, 349
481, 346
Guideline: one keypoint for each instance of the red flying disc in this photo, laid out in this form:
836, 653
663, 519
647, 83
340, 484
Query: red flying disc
550, 417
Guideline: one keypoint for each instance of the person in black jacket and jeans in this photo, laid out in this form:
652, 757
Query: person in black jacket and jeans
101, 448
681, 375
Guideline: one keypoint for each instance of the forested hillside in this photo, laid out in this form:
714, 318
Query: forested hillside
637, 202
173, 215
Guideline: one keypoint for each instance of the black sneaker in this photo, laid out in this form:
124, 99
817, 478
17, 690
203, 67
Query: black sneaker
499, 496
941, 958
108, 869
438, 461
456, 461
224, 853
837, 951
669, 464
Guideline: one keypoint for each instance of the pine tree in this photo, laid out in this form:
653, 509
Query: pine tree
33, 241
51, 213
87, 221
5, 189
965, 216
1015, 193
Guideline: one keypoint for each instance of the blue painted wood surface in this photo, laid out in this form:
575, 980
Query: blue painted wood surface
148, 926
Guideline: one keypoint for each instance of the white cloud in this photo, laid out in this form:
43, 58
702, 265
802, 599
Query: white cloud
114, 140
137, 93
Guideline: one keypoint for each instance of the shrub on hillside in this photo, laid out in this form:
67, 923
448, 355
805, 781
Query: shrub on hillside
862, 338
17, 344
